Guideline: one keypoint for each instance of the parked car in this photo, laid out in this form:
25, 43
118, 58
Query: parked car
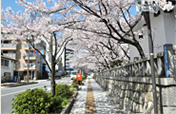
73, 75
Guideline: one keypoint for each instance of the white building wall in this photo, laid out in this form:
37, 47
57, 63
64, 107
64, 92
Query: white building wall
169, 25
63, 61
164, 33
7, 69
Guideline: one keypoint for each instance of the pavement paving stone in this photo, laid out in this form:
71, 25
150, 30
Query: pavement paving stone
80, 101
102, 101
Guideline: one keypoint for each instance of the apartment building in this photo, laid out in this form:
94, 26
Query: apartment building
68, 54
22, 52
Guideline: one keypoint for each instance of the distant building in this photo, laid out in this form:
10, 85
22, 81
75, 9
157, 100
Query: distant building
7, 68
68, 55
164, 32
20, 53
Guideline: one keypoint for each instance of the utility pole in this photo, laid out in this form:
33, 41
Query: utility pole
145, 7
151, 52
18, 66
31, 75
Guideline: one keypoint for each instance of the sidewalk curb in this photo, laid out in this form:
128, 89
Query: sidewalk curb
41, 80
69, 106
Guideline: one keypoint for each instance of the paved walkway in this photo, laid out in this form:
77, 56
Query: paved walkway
90, 102
103, 105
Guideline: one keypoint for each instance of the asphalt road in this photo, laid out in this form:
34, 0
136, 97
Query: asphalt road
7, 93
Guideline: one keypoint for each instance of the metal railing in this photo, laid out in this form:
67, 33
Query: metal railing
31, 65
30, 55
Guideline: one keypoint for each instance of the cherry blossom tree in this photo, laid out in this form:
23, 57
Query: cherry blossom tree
113, 19
96, 53
40, 23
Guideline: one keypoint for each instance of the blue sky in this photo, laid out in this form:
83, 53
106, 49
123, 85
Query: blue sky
15, 7
12, 4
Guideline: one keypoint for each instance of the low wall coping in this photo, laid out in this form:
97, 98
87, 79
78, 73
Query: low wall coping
159, 81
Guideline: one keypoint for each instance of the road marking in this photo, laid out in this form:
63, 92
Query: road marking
11, 93
21, 86
48, 88
20, 91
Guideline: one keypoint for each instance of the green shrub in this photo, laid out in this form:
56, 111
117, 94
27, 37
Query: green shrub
36, 101
65, 102
63, 90
75, 83
74, 88
84, 77
23, 83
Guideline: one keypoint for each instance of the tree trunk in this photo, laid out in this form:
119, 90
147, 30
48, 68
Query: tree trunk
140, 50
53, 84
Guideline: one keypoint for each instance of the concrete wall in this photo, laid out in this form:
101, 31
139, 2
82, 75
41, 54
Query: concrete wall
130, 85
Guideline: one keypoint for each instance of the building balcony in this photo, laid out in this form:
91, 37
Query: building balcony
8, 37
12, 55
31, 56
8, 47
27, 47
32, 66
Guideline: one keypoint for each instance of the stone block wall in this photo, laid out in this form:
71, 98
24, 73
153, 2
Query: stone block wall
130, 85
137, 97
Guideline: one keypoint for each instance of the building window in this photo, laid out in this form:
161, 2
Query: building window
4, 62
